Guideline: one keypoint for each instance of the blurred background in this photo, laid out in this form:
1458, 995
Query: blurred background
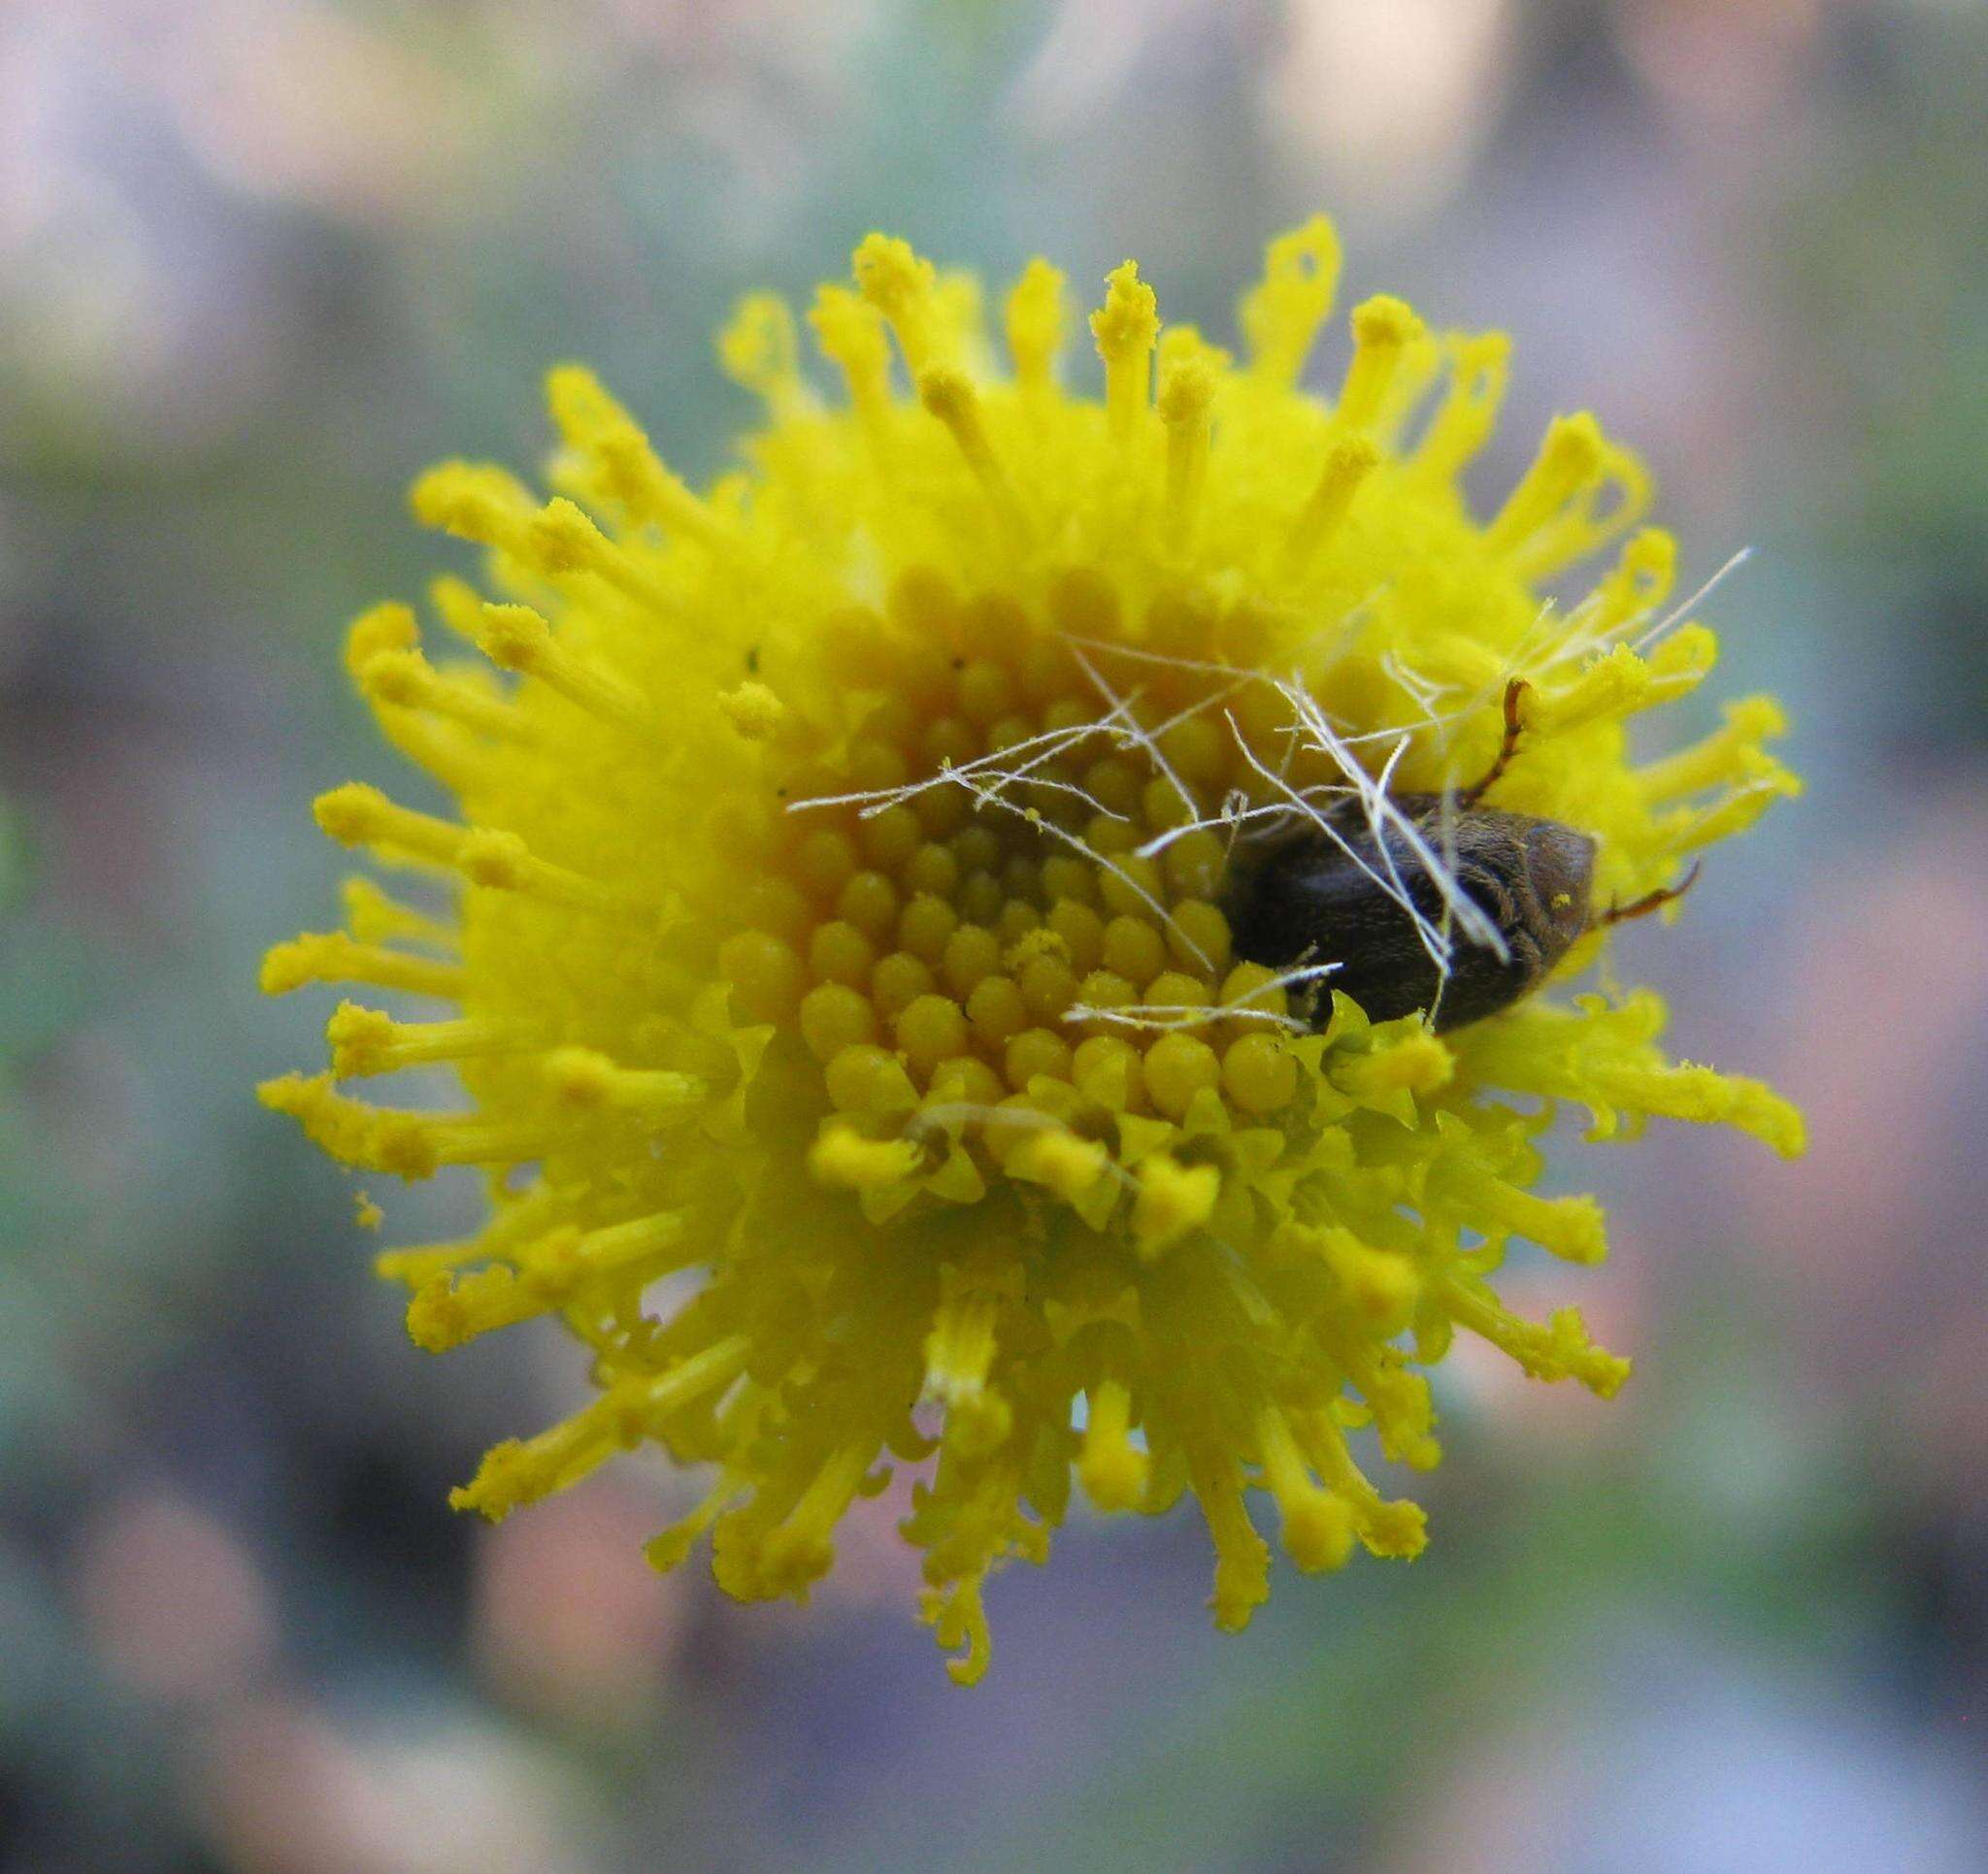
261, 260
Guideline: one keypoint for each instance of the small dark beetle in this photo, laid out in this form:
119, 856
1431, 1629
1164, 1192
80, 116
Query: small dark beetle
1308, 900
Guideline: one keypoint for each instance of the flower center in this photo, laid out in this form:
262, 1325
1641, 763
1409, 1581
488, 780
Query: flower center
1004, 876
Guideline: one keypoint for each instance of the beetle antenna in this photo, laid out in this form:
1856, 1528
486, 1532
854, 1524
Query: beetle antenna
1652, 901
1470, 796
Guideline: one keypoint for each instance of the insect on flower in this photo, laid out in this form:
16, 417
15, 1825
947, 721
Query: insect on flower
887, 1039
1364, 881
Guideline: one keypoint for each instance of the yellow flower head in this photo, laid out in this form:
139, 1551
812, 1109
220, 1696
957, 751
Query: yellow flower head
842, 918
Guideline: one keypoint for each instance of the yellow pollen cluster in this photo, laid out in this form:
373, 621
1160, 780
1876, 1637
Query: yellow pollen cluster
833, 943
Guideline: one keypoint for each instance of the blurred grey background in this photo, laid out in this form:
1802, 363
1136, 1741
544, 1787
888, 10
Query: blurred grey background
261, 260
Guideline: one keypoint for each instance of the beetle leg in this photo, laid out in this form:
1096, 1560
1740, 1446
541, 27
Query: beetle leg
1469, 797
1652, 901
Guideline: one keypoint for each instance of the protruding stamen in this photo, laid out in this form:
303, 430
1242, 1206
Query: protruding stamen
951, 397
1574, 1229
802, 1549
631, 473
366, 1041
1384, 327
1389, 1077
1759, 781
1468, 412
516, 637
1379, 1287
1703, 1096
1318, 1529
418, 1264
959, 321
563, 538
1126, 328
517, 1472
1398, 1529
1556, 1349
1717, 758
1037, 317
900, 285
760, 349
405, 679
408, 1144
331, 956
959, 1356
1569, 463
1188, 391
474, 501
375, 917
359, 816
458, 605
755, 709
1348, 464
500, 861
1637, 584
1281, 312
850, 335
843, 1156
449, 1310
588, 1081
1112, 1470
1242, 1559
382, 628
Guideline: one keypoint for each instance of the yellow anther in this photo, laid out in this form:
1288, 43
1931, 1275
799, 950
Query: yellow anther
1574, 1229
1416, 1063
361, 1040
359, 816
1126, 328
364, 1042
1383, 328
900, 286
562, 539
